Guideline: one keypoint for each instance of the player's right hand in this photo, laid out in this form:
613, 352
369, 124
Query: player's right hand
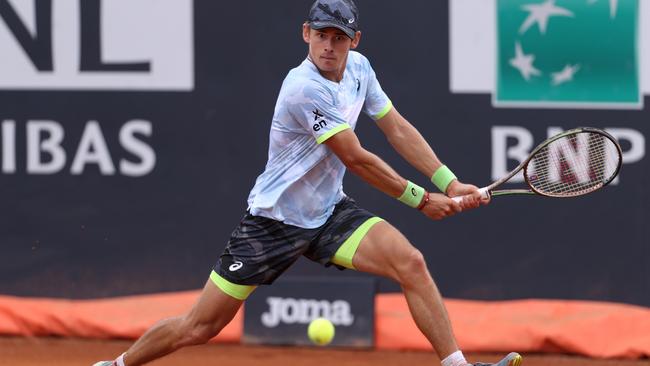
440, 206
470, 194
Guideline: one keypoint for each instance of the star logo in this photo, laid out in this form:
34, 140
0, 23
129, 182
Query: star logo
565, 75
524, 63
540, 14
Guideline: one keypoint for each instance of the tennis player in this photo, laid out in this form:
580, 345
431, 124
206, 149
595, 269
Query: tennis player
297, 206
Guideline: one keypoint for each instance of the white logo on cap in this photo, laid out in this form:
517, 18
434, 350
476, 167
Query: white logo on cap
350, 21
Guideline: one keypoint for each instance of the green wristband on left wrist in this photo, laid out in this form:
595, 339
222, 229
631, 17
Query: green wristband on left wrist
413, 195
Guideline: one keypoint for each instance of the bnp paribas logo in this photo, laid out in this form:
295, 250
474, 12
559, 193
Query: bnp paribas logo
568, 53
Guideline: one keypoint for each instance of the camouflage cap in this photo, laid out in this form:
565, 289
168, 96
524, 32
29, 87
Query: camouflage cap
340, 14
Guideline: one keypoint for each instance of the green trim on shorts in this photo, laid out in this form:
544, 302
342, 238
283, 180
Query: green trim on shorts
343, 256
384, 111
239, 292
332, 132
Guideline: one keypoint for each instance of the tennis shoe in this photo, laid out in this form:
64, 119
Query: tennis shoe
105, 363
512, 359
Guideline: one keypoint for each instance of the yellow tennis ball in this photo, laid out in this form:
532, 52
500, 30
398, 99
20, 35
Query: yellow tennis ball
321, 331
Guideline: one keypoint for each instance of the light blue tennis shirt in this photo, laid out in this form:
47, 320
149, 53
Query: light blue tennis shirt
303, 179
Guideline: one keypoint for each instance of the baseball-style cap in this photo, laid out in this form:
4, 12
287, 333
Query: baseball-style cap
340, 14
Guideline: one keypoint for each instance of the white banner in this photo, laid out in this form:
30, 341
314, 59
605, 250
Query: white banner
97, 45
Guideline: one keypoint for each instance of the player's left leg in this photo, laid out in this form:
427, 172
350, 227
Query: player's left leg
355, 238
372, 245
377, 247
384, 251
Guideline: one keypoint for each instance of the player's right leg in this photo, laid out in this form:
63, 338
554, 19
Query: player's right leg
259, 250
211, 313
213, 310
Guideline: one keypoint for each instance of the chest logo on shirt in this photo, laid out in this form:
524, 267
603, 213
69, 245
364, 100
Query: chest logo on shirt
319, 124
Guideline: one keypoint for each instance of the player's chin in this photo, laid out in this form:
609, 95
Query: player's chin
328, 64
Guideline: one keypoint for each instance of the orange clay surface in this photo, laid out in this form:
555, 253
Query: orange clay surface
17, 351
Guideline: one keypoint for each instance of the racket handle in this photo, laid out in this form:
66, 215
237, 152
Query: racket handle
485, 194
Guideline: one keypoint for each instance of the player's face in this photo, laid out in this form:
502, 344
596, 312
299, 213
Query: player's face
328, 49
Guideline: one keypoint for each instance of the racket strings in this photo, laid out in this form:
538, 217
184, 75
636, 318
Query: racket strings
573, 165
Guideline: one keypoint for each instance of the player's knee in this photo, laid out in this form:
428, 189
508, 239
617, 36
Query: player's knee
202, 334
195, 333
412, 267
416, 262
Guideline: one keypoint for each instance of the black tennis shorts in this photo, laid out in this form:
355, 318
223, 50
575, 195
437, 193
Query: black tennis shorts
261, 249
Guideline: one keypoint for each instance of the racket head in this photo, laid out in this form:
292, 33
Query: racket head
573, 163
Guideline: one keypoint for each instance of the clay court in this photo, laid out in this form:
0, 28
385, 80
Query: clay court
71, 352
60, 332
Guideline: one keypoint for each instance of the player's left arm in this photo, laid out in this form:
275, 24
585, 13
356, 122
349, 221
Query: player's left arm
410, 144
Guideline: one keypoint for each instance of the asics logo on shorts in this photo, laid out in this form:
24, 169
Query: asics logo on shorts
235, 266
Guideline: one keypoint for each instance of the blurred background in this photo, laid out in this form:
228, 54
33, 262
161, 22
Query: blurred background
132, 132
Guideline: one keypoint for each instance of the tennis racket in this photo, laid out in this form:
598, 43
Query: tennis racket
570, 164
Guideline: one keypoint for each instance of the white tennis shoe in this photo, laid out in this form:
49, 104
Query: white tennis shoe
512, 359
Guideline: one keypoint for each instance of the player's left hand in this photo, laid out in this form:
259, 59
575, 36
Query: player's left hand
471, 195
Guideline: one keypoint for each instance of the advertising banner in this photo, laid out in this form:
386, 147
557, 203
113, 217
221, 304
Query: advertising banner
131, 134
280, 314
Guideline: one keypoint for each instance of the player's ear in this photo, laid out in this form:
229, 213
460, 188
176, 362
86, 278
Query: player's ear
305, 32
356, 40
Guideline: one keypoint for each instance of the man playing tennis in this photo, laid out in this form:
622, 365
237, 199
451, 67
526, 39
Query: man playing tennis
297, 206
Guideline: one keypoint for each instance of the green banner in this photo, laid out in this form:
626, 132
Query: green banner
568, 53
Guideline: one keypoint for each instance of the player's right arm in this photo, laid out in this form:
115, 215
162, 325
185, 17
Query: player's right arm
380, 175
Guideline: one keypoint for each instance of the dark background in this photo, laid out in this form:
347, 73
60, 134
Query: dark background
92, 236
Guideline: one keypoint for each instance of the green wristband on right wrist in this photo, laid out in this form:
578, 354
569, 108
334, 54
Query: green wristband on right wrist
442, 178
413, 194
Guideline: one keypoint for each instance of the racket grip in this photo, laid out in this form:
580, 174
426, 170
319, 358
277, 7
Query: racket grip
485, 194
